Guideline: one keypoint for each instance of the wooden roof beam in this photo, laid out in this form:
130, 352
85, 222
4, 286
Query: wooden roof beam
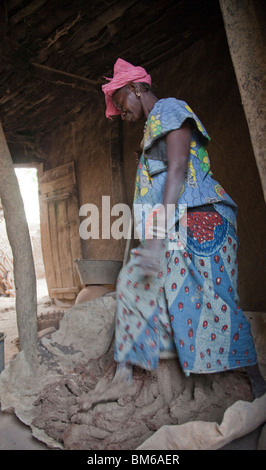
59, 77
19, 58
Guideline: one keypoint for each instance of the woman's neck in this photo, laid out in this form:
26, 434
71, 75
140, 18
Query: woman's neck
148, 101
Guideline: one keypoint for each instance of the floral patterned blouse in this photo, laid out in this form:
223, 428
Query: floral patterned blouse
199, 187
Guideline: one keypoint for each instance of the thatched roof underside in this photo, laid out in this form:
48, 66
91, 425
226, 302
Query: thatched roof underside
55, 53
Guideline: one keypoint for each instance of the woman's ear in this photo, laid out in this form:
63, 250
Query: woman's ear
135, 88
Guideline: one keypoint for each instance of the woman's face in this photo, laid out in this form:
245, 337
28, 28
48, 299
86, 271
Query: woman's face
129, 104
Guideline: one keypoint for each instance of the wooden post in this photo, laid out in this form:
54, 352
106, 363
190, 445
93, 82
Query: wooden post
19, 238
247, 49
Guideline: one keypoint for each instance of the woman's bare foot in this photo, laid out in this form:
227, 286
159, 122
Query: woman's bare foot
103, 392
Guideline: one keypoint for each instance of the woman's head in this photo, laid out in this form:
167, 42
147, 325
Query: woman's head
123, 92
129, 100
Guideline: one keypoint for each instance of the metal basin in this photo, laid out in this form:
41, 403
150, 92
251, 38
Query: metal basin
98, 271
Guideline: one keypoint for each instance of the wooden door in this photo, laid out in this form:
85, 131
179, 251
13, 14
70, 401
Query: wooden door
59, 220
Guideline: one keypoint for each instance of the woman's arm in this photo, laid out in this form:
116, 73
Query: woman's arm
178, 148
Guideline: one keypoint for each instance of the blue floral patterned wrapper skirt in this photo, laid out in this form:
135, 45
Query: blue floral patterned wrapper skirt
191, 307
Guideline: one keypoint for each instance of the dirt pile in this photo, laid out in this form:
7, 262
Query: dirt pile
78, 357
155, 399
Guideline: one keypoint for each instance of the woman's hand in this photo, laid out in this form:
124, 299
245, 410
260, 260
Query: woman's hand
148, 258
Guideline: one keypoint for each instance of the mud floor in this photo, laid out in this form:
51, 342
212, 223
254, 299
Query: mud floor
155, 399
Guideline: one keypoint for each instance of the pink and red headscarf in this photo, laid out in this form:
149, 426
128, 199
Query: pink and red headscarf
124, 73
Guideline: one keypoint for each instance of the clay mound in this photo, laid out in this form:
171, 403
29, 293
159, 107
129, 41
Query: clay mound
155, 399
78, 357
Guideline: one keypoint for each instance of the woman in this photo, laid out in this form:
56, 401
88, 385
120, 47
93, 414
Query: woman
174, 296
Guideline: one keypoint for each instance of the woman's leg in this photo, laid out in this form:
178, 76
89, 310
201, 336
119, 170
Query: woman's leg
123, 373
258, 383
